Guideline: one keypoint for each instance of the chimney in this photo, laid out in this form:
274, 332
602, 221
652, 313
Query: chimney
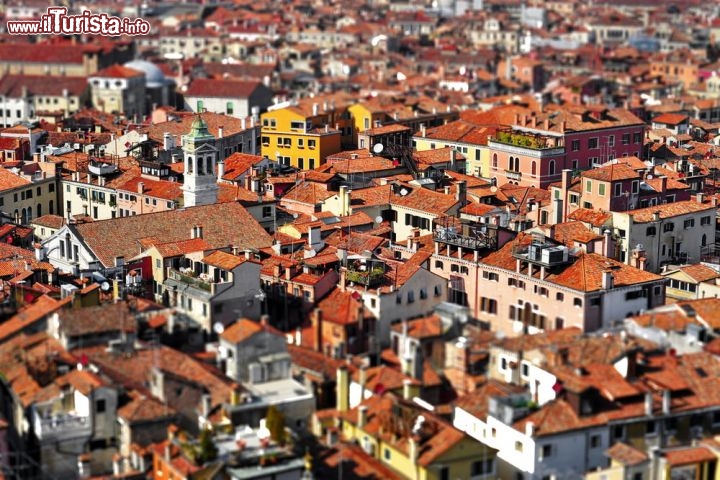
242, 124
529, 429
666, 402
265, 320
167, 452
362, 379
288, 273
317, 324
220, 169
663, 185
314, 239
343, 278
656, 216
168, 141
648, 403
220, 131
362, 416
206, 405
407, 389
461, 192
141, 188
343, 388
413, 453
700, 197
117, 464
608, 280
423, 130
315, 107
83, 465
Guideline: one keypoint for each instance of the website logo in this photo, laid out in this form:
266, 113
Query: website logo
58, 22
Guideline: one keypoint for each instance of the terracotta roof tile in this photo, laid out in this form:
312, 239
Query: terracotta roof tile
223, 224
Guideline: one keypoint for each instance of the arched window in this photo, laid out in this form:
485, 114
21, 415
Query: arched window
533, 168
209, 169
495, 160
517, 164
189, 166
703, 241
551, 167
29, 214
23, 220
52, 207
200, 166
39, 210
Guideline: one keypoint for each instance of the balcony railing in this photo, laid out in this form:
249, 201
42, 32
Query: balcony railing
190, 279
513, 175
63, 425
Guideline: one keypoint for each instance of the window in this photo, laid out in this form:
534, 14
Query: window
488, 305
593, 143
689, 223
200, 106
444, 473
311, 143
39, 191
559, 296
29, 194
575, 145
637, 137
595, 441
492, 276
494, 160
668, 227
649, 231
229, 108
423, 293
483, 467
547, 451
650, 428
618, 432
551, 167
626, 139
100, 406
671, 424
518, 446
635, 186
438, 290
601, 189
386, 454
617, 189
611, 141
577, 302
588, 186
439, 264
705, 220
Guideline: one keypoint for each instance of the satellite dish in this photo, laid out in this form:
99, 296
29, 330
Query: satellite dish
649, 177
378, 219
493, 189
295, 215
404, 192
218, 328
378, 148
104, 286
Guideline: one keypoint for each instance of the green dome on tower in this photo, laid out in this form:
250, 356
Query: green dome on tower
199, 128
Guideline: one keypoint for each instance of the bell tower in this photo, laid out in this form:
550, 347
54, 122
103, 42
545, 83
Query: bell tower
200, 156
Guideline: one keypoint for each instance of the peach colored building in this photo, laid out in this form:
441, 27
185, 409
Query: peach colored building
531, 284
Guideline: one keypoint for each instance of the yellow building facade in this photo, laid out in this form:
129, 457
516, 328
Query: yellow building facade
298, 138
477, 156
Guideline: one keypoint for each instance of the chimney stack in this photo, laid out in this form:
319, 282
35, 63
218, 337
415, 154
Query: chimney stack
220, 169
608, 280
141, 188
317, 324
220, 131
666, 401
343, 278
461, 192
362, 416
648, 403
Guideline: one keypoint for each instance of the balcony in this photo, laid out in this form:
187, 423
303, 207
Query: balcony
190, 279
527, 144
97, 167
62, 426
511, 408
473, 237
512, 175
367, 272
